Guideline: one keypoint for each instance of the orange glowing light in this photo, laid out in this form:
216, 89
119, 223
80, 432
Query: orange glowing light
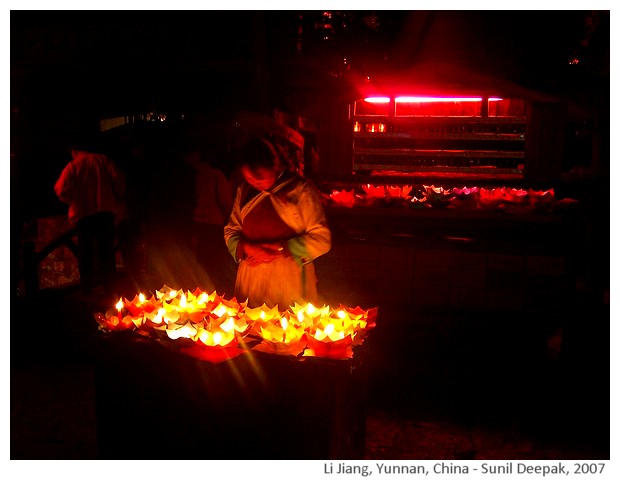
376, 127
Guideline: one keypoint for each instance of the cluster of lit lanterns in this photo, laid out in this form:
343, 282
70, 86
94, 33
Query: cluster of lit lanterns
429, 196
210, 327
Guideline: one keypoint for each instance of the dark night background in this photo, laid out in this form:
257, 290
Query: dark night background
70, 68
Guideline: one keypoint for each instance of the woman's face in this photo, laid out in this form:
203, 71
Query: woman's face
261, 178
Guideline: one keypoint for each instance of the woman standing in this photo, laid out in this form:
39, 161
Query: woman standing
276, 229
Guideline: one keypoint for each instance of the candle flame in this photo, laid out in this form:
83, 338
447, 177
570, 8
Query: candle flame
119, 305
142, 298
183, 301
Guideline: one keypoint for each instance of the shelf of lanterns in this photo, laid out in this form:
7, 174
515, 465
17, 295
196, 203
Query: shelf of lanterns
210, 327
437, 197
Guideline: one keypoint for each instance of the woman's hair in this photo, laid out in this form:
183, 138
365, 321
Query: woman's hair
258, 152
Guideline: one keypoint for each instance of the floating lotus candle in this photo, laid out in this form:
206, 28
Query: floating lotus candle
139, 305
335, 332
115, 323
214, 345
465, 193
186, 306
345, 197
329, 343
427, 196
399, 192
438, 196
515, 195
285, 336
491, 197
374, 191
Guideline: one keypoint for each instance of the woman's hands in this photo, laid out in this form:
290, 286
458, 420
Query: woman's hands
264, 252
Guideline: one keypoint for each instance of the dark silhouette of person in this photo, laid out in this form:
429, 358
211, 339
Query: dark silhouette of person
93, 187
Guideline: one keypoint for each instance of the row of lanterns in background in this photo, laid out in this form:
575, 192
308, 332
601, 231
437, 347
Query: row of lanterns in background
210, 327
429, 196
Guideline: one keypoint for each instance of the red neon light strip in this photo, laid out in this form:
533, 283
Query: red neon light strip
437, 99
377, 99
428, 99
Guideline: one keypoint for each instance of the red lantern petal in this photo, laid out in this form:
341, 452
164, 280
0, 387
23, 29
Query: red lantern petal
339, 349
212, 354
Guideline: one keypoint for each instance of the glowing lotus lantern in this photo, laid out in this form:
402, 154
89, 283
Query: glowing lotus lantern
399, 192
465, 193
214, 345
373, 191
329, 343
186, 305
283, 336
438, 196
139, 305
227, 316
361, 320
491, 197
516, 195
335, 333
216, 336
115, 323
344, 198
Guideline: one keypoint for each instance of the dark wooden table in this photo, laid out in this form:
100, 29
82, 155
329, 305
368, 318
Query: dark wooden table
153, 402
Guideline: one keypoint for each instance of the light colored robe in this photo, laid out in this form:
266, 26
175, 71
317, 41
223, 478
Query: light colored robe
290, 278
